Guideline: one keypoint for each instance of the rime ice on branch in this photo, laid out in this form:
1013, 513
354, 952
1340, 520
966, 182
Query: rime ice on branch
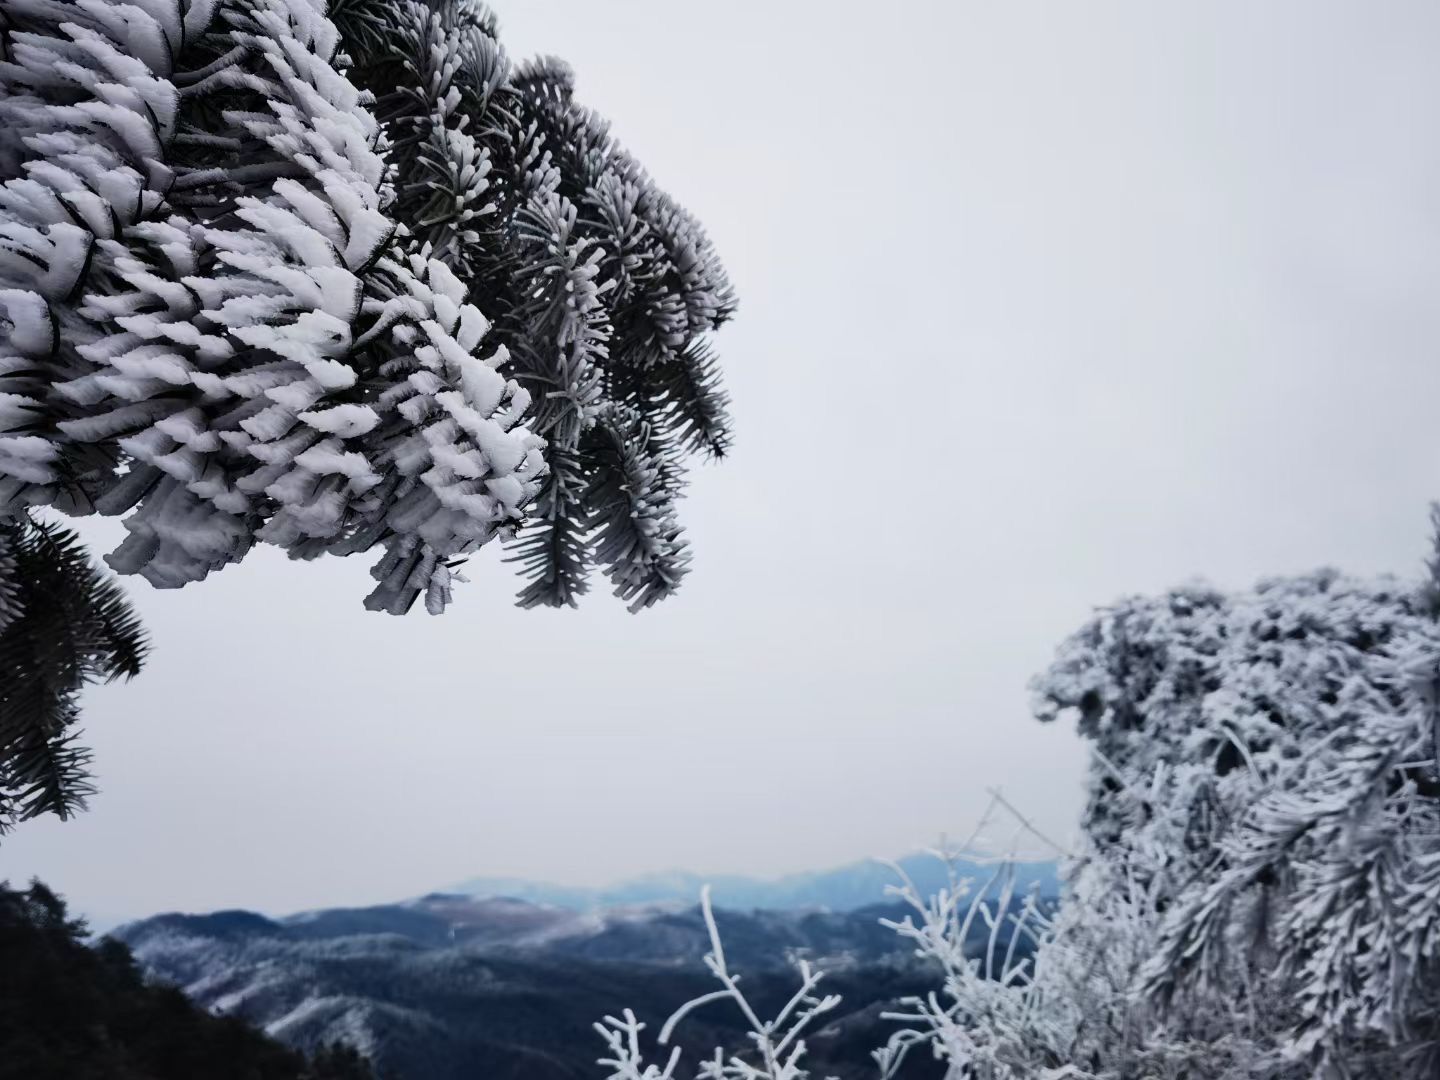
210, 325
244, 299
603, 290
1265, 781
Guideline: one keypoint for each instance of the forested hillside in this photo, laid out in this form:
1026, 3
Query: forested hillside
72, 1012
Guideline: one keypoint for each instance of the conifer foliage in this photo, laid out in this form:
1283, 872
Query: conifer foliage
1265, 789
250, 291
62, 625
603, 290
212, 326
72, 1012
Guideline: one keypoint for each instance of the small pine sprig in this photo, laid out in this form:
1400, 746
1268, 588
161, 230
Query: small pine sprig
637, 537
67, 626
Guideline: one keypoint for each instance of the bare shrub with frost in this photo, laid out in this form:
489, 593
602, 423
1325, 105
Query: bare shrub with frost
1070, 1009
777, 1050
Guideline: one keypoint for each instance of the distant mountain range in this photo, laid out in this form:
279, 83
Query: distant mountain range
846, 888
451, 988
481, 982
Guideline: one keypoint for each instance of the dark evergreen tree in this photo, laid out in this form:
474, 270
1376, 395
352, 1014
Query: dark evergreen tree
71, 1012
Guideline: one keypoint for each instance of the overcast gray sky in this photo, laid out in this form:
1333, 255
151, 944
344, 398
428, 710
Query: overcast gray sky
1041, 304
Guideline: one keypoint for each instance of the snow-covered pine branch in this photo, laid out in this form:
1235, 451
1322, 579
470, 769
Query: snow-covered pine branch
269, 276
603, 290
245, 254
210, 325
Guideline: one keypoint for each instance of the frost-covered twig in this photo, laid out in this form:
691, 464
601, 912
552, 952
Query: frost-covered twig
777, 1048
626, 1062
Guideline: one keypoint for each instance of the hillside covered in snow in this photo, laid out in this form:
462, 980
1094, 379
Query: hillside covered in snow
451, 986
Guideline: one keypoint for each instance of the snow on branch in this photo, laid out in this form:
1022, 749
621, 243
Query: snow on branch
777, 1048
340, 285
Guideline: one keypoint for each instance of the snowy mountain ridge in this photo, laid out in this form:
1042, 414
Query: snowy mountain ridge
478, 980
446, 986
844, 888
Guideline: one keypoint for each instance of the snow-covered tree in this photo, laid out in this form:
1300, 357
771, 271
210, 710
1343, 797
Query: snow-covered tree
1253, 896
603, 290
1266, 776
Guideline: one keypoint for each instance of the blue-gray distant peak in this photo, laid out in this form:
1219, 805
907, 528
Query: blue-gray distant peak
842, 889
